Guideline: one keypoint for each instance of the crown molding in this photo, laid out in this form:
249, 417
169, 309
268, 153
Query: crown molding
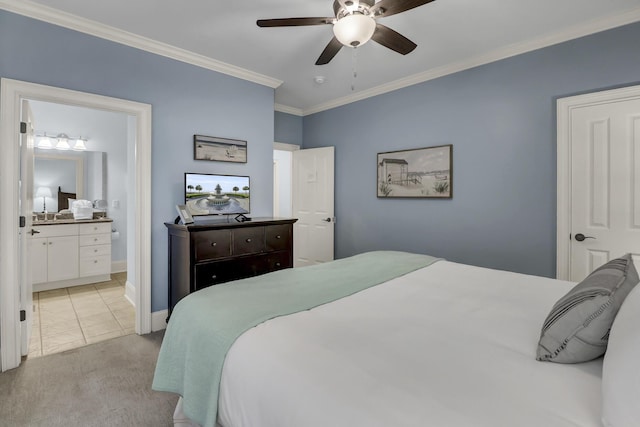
571, 33
73, 22
289, 110
63, 19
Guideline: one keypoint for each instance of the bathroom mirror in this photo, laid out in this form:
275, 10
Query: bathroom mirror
82, 173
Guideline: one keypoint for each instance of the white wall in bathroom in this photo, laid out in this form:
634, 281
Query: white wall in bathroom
107, 132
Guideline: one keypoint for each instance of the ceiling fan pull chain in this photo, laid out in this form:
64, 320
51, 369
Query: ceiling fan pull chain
354, 67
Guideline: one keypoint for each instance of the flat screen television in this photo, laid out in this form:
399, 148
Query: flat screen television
209, 194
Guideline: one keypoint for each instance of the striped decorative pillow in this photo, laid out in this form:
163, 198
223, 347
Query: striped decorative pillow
577, 329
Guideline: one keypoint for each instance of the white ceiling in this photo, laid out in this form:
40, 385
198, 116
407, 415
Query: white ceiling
451, 35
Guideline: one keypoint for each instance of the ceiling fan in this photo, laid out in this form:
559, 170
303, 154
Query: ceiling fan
355, 23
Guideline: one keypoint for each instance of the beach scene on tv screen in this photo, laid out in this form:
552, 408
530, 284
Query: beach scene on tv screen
217, 194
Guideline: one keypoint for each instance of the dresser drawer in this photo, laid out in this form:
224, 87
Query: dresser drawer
248, 240
278, 261
95, 239
95, 228
212, 273
95, 265
212, 244
95, 250
278, 237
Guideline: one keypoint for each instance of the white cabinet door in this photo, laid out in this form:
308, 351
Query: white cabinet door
62, 258
38, 259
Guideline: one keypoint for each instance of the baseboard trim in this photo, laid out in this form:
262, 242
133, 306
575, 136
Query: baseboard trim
119, 266
159, 320
130, 293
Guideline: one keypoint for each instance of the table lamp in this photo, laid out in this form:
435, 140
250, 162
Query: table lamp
44, 192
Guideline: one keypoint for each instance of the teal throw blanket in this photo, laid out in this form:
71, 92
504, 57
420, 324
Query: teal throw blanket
205, 324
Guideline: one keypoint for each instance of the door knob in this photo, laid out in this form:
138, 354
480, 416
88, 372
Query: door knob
580, 237
327, 220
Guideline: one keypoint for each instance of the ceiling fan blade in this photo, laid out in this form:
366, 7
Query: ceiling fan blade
392, 39
293, 22
391, 7
329, 52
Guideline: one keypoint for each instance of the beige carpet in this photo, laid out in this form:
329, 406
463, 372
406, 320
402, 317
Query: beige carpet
102, 384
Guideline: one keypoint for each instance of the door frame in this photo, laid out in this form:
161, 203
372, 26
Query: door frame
565, 106
281, 146
12, 92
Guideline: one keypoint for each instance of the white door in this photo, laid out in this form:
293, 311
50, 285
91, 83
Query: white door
605, 181
25, 233
313, 177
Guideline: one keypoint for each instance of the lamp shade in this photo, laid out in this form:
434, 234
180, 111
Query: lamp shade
354, 30
44, 192
45, 143
79, 145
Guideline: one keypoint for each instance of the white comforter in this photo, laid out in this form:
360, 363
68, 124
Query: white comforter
447, 345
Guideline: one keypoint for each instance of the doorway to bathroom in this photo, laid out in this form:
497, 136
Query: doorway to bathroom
13, 286
80, 157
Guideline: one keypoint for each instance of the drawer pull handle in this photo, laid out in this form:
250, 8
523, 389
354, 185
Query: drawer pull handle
278, 237
214, 277
248, 240
95, 240
277, 264
95, 250
51, 243
95, 228
214, 244
95, 261
44, 243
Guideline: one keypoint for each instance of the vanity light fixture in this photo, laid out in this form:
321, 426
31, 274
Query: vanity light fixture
79, 145
63, 142
45, 143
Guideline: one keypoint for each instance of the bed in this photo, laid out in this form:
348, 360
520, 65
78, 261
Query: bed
444, 344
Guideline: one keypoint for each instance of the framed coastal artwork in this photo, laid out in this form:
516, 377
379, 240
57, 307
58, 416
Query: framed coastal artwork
219, 149
416, 173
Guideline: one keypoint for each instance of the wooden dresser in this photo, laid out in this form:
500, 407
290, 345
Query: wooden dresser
212, 252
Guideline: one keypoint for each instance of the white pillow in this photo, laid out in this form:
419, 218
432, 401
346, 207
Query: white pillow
620, 370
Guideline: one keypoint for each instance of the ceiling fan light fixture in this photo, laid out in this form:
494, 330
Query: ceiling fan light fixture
354, 30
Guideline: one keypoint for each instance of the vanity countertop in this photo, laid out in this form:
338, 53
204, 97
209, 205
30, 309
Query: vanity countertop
71, 221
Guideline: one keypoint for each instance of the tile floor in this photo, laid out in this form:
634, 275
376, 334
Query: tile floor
72, 317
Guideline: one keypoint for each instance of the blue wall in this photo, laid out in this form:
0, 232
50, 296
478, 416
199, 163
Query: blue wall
501, 120
288, 128
186, 100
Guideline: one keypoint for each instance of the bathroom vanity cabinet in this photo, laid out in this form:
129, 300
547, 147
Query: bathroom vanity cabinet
76, 253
